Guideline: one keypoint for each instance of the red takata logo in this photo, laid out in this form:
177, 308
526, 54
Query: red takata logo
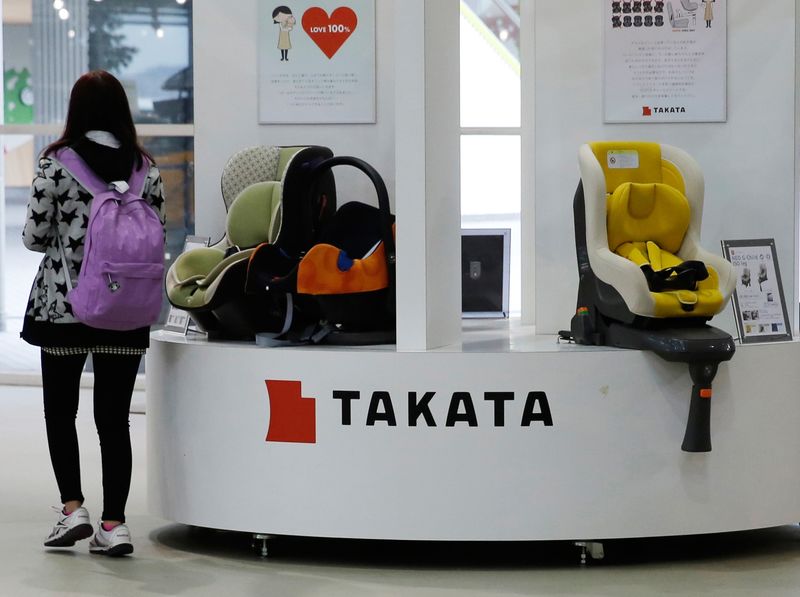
647, 111
292, 418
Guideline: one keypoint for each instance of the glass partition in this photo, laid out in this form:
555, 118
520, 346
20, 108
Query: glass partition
491, 116
47, 45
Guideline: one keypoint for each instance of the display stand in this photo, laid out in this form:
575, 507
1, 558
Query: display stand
609, 466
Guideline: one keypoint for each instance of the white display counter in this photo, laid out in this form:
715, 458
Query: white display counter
609, 466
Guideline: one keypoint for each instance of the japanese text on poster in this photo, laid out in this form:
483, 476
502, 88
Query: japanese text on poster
317, 61
665, 61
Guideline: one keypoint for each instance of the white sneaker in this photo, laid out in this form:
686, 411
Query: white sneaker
69, 528
116, 542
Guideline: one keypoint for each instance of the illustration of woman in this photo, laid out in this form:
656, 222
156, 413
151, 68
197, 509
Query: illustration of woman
283, 17
709, 14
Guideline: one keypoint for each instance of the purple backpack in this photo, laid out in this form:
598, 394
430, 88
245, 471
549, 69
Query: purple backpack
120, 283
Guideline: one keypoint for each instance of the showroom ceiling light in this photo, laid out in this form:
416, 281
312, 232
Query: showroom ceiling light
58, 4
63, 14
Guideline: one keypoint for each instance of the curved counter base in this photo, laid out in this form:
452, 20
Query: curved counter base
534, 441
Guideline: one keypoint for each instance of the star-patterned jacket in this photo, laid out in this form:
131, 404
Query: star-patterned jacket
59, 204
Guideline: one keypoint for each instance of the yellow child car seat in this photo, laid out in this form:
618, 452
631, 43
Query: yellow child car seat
644, 280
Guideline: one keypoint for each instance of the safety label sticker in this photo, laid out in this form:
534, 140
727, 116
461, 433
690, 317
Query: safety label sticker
623, 159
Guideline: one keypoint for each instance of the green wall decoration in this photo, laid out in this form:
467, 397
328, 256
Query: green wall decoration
18, 96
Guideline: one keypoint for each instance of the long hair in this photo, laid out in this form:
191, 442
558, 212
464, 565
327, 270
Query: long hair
98, 102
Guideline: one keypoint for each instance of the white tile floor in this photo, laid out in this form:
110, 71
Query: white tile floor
176, 560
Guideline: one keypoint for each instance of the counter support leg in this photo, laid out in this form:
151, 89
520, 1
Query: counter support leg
260, 544
593, 549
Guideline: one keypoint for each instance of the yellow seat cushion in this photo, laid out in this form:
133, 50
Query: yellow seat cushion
646, 224
647, 212
705, 301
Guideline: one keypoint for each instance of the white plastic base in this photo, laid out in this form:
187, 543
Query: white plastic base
610, 465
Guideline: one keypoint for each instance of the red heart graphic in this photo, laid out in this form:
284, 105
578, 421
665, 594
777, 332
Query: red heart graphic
330, 33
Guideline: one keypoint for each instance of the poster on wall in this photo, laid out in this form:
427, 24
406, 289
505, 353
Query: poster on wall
316, 61
758, 302
665, 61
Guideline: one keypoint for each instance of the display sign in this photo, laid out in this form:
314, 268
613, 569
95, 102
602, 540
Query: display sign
758, 301
665, 61
317, 61
179, 320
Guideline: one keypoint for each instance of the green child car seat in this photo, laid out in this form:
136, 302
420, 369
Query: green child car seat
268, 199
343, 287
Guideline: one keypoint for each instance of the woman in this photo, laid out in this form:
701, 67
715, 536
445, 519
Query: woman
709, 12
283, 17
100, 129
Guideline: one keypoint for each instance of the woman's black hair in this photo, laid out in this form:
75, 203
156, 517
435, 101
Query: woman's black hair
281, 9
98, 103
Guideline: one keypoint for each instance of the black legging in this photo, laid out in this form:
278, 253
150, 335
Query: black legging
114, 377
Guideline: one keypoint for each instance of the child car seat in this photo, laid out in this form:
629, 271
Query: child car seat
645, 282
762, 275
746, 277
266, 195
347, 278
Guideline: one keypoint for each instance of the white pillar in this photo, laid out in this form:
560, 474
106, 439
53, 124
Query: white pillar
528, 203
428, 204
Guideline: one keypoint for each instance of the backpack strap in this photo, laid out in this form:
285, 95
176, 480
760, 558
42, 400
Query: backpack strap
80, 170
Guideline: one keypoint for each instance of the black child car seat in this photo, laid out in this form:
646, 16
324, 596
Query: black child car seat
344, 284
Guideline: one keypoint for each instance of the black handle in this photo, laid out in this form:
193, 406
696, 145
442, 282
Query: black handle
383, 205
698, 425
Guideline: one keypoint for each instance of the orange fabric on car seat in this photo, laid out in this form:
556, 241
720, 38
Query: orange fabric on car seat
319, 272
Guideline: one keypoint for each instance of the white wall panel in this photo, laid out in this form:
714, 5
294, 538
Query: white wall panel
226, 107
748, 162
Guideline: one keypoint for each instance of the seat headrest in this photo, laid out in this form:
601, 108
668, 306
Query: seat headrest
252, 165
628, 161
647, 212
635, 161
247, 167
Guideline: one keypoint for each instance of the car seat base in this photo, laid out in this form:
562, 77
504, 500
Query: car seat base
701, 346
689, 344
